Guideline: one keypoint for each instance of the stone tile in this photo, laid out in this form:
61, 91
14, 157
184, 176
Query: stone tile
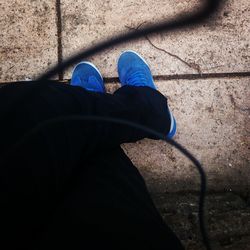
227, 217
221, 45
28, 43
213, 123
239, 219
187, 203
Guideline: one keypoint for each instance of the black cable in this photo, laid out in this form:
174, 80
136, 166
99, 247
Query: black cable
209, 7
81, 118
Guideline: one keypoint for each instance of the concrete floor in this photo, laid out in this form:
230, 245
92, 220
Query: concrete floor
211, 105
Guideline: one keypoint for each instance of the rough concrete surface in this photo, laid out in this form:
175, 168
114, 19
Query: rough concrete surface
28, 38
228, 219
213, 123
212, 114
220, 45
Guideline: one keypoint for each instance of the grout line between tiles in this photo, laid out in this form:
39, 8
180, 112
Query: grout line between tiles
59, 37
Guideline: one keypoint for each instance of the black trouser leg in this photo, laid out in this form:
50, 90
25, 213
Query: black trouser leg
36, 176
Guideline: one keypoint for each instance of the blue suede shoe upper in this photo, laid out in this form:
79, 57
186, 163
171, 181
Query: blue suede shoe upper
134, 71
87, 76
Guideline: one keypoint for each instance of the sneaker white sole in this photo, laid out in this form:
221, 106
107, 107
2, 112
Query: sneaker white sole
173, 127
172, 121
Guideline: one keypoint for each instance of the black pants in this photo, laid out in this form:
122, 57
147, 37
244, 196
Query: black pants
70, 184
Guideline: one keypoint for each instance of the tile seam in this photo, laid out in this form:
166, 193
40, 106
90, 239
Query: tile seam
59, 38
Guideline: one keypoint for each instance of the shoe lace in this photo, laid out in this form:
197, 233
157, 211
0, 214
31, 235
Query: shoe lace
137, 78
92, 80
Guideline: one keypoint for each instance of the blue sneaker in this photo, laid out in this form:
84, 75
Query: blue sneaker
133, 70
87, 76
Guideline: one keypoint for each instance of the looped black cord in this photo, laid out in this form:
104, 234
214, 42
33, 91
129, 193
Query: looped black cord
82, 118
184, 21
209, 7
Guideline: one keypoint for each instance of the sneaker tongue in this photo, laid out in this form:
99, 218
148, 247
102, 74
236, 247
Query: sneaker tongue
137, 77
92, 80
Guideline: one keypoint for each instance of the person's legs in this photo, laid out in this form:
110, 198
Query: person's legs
36, 174
111, 174
109, 207
134, 71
